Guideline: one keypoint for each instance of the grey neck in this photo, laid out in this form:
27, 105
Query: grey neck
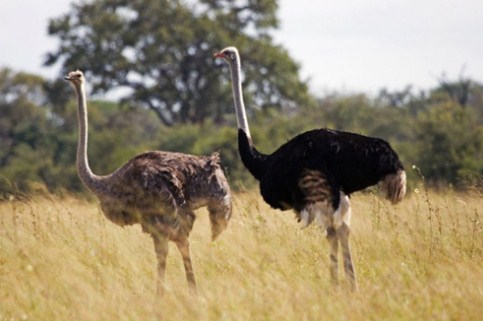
90, 180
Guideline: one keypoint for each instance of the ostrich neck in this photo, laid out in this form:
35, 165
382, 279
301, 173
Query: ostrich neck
241, 116
90, 180
253, 160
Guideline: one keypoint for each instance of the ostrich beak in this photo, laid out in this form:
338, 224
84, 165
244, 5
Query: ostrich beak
219, 55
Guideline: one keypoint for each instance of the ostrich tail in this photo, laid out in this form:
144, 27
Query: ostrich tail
220, 214
217, 228
394, 186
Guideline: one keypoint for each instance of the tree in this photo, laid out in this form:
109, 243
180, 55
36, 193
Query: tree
161, 53
21, 120
459, 91
23, 129
450, 143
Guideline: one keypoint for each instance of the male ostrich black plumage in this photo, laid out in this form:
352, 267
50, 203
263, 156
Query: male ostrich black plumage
316, 171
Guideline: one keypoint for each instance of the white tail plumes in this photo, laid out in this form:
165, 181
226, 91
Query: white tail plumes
394, 186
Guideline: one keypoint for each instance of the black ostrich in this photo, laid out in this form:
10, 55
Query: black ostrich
315, 172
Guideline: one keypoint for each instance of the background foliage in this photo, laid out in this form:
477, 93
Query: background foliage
435, 133
157, 56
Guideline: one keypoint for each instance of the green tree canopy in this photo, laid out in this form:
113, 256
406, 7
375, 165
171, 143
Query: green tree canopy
38, 133
161, 53
23, 128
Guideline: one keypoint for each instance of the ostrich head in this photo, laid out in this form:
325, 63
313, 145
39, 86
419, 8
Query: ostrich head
75, 77
230, 54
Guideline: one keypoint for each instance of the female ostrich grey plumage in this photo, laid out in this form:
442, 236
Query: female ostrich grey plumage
159, 190
315, 172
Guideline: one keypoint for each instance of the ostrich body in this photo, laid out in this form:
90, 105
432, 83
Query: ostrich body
315, 172
159, 190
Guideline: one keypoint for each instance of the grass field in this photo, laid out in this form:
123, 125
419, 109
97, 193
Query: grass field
60, 259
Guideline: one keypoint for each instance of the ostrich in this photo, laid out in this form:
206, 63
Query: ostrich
315, 172
159, 190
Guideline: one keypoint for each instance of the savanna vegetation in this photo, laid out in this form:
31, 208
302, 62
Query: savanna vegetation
60, 259
431, 130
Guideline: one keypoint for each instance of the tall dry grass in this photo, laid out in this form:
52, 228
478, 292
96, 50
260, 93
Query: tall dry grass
60, 259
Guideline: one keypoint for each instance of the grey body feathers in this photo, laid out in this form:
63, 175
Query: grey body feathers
164, 188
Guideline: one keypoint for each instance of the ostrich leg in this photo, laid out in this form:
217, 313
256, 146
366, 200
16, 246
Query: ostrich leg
343, 235
161, 249
334, 249
184, 248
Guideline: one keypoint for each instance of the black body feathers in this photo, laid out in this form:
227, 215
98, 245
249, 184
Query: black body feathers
348, 162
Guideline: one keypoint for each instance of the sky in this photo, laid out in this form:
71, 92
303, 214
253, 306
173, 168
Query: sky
341, 45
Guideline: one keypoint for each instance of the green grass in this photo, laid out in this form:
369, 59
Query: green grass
60, 259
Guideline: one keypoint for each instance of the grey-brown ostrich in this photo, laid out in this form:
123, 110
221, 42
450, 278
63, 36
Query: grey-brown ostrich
159, 190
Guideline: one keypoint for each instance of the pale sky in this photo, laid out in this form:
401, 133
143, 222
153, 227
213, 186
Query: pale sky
351, 46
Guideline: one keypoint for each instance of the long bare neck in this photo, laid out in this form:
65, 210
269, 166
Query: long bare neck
90, 180
241, 116
253, 160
